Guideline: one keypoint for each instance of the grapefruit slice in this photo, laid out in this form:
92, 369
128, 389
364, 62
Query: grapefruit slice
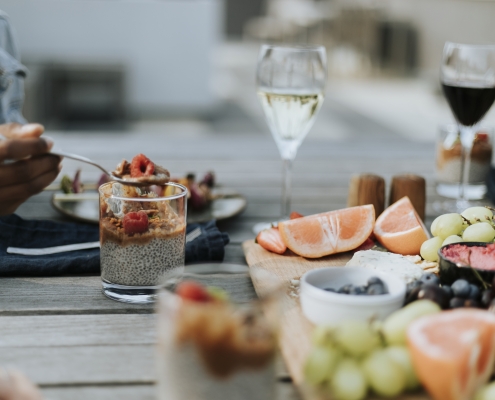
399, 228
328, 233
453, 352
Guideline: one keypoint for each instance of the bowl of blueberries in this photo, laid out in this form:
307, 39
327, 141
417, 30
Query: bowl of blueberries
331, 295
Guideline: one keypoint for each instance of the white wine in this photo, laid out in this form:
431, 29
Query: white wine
290, 116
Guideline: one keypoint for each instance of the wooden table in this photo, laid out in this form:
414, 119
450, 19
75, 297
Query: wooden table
76, 344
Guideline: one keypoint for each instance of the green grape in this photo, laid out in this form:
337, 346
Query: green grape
487, 392
385, 376
401, 356
348, 382
395, 326
356, 338
480, 232
322, 336
447, 225
477, 214
452, 239
429, 248
321, 364
217, 293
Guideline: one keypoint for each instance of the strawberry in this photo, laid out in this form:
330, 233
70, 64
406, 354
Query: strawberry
295, 214
271, 240
141, 166
193, 291
135, 222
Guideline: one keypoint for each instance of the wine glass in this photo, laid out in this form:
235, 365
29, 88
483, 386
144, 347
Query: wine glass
290, 83
468, 83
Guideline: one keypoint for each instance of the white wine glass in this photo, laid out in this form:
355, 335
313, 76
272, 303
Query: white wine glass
468, 83
290, 82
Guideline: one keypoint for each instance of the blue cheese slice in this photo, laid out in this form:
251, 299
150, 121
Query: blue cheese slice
395, 264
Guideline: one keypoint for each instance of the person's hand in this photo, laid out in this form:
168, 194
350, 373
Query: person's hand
29, 169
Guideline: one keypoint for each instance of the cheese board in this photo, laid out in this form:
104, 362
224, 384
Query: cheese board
295, 342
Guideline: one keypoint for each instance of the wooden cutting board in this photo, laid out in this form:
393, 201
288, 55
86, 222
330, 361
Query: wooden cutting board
295, 340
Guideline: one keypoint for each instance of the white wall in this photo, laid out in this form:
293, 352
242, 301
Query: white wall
165, 45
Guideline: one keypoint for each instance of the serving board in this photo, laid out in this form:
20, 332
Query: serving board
295, 336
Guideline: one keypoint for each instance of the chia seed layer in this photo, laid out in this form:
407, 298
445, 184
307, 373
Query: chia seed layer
141, 264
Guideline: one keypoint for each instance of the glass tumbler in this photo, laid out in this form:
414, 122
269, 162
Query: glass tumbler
449, 162
142, 238
220, 349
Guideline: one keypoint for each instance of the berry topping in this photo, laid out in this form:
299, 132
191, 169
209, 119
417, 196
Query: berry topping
135, 222
193, 291
295, 215
141, 166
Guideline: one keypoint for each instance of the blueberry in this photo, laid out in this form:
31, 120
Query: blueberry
357, 290
472, 304
474, 293
413, 285
345, 289
487, 297
329, 289
461, 288
447, 289
430, 279
434, 293
373, 280
456, 302
412, 295
376, 289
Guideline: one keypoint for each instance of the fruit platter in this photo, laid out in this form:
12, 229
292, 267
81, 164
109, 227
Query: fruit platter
381, 307
206, 199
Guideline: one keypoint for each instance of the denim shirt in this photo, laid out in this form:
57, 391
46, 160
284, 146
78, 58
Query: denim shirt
12, 74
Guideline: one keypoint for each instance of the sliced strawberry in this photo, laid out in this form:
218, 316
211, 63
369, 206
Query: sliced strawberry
271, 240
135, 222
295, 215
193, 291
141, 166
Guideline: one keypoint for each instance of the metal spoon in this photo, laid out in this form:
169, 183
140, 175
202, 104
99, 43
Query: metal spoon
88, 161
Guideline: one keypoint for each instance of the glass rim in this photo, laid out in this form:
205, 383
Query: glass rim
480, 46
294, 47
149, 199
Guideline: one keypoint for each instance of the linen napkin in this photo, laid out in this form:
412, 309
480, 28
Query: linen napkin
18, 232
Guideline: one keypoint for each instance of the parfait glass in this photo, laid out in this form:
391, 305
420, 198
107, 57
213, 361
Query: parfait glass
468, 83
290, 83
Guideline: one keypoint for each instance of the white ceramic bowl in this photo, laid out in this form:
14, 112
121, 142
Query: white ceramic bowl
322, 307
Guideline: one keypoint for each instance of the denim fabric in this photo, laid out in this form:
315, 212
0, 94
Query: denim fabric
17, 232
12, 74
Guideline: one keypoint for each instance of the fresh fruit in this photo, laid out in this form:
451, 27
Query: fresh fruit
486, 392
447, 225
348, 382
480, 232
321, 335
367, 245
461, 288
400, 229
435, 294
295, 215
356, 338
271, 240
401, 356
321, 364
385, 375
194, 291
217, 293
477, 214
429, 248
395, 326
141, 166
453, 352
135, 222
328, 233
452, 239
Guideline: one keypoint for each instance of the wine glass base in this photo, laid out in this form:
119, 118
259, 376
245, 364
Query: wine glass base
456, 206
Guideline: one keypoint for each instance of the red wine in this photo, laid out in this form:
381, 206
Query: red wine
469, 104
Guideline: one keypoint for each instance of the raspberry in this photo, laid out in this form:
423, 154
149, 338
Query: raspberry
135, 222
141, 166
193, 291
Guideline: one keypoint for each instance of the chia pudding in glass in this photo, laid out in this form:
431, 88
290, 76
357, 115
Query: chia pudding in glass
142, 238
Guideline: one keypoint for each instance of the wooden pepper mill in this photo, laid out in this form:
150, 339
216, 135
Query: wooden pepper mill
367, 189
412, 186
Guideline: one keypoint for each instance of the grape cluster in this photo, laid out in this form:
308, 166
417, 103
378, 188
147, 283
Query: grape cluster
460, 294
475, 224
350, 359
375, 286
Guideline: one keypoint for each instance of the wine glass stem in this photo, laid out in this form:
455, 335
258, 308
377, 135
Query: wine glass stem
286, 187
467, 139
